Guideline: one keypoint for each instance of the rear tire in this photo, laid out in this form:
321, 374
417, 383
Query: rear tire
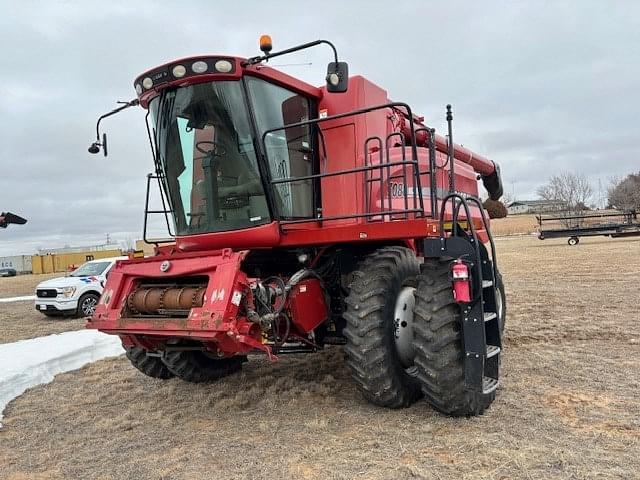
371, 330
573, 241
196, 366
150, 366
438, 345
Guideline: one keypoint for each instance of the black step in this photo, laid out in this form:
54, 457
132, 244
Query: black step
490, 316
492, 350
489, 385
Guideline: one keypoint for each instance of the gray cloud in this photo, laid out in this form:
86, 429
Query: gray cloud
540, 88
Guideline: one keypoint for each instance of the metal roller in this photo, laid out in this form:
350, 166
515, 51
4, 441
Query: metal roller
153, 300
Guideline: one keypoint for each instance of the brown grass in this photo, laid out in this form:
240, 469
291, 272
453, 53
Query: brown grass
20, 320
23, 284
514, 225
568, 406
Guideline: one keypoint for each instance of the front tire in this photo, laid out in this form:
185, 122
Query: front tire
197, 367
376, 352
438, 345
87, 304
150, 366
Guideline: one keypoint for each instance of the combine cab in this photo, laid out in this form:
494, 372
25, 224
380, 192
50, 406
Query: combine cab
306, 217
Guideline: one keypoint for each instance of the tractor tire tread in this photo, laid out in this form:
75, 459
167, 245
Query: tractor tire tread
150, 366
370, 352
438, 345
193, 366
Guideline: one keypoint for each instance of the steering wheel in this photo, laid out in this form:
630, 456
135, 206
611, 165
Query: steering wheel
217, 150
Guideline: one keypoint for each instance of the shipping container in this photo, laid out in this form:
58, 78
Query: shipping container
20, 263
64, 262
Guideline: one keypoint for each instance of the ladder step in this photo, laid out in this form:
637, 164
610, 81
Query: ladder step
487, 283
490, 316
489, 385
492, 351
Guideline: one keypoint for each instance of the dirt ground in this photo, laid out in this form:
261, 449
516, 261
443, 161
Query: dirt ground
567, 408
20, 320
23, 284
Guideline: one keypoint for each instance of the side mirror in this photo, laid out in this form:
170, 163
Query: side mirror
95, 146
337, 77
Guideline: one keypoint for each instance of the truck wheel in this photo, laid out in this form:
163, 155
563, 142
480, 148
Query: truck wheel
150, 366
87, 304
438, 345
379, 327
573, 241
196, 366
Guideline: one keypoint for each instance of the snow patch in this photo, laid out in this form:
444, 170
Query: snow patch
17, 299
37, 361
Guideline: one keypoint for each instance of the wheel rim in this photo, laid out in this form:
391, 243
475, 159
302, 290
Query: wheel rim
88, 306
403, 327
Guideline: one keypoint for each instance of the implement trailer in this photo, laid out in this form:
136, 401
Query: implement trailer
617, 224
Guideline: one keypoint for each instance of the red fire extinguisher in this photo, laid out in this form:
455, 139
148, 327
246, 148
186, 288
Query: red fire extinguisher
461, 281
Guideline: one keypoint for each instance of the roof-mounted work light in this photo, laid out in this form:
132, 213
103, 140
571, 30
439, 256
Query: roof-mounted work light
266, 44
337, 72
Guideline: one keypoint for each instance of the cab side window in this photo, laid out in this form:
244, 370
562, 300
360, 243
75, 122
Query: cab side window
289, 152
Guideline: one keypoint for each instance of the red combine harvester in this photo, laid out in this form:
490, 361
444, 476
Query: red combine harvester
305, 217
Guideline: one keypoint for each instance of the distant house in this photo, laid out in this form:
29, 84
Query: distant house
534, 206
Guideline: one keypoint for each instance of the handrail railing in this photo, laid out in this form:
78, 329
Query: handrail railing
418, 201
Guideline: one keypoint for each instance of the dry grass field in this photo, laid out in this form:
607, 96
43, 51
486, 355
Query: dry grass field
23, 284
514, 225
568, 407
20, 320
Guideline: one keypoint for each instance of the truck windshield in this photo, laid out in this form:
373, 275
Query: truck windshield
89, 269
205, 144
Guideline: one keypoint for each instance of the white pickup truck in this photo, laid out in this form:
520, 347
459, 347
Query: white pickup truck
76, 294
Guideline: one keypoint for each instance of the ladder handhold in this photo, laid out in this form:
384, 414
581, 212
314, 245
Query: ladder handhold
490, 316
492, 351
489, 385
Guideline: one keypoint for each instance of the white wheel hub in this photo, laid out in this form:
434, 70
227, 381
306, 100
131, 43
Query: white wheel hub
403, 326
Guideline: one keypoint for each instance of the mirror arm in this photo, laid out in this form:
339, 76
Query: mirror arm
95, 147
254, 60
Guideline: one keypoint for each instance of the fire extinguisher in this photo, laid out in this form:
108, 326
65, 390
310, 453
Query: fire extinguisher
461, 277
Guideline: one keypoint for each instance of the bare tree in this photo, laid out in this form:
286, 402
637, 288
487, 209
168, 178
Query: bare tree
572, 190
507, 198
624, 194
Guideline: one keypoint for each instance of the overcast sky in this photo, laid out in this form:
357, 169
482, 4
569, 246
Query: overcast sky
539, 87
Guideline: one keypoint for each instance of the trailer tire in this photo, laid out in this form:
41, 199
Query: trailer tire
573, 241
381, 280
197, 367
150, 366
438, 345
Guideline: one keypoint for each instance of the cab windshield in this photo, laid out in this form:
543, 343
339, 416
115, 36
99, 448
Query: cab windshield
205, 144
